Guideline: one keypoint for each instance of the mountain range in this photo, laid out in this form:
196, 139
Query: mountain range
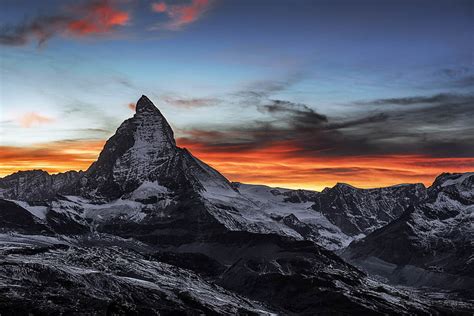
149, 229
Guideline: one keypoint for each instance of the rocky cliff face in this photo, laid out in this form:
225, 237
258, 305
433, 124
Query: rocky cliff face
38, 185
358, 211
144, 149
432, 240
63, 279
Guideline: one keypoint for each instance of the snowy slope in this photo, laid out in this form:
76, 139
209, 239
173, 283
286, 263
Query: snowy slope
435, 238
263, 209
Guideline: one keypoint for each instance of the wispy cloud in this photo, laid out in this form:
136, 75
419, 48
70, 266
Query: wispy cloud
257, 91
445, 98
32, 118
96, 17
190, 102
300, 114
159, 7
132, 106
180, 15
458, 77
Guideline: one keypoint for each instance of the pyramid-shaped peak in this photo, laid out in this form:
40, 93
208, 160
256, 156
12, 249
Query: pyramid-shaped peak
144, 105
153, 125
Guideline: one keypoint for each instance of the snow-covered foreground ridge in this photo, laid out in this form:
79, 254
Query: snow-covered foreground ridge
146, 195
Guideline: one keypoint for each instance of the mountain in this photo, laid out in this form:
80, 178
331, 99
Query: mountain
148, 217
431, 244
141, 162
360, 211
144, 149
334, 217
38, 185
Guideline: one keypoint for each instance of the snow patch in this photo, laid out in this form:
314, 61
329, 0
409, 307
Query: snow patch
148, 189
457, 180
37, 211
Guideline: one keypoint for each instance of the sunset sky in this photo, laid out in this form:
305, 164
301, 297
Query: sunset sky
300, 94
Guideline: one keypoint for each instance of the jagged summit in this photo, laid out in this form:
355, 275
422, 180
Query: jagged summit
144, 149
449, 179
145, 105
150, 121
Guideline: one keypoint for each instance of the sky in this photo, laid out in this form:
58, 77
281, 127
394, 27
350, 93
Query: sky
299, 94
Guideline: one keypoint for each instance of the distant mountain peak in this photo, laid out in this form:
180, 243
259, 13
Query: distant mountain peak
344, 186
449, 179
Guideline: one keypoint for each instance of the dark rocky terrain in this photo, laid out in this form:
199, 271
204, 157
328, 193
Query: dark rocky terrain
357, 211
151, 229
431, 244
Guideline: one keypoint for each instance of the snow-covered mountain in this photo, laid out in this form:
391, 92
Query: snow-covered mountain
432, 244
141, 163
146, 195
38, 185
144, 149
361, 211
334, 217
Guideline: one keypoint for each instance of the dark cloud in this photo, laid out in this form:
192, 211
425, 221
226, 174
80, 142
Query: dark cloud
263, 89
443, 127
125, 82
454, 73
307, 130
458, 77
95, 17
464, 82
298, 114
256, 93
444, 98
376, 118
42, 29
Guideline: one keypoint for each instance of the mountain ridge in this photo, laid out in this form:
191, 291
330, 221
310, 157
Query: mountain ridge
433, 238
145, 194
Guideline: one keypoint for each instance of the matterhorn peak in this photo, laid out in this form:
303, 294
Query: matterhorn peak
152, 124
144, 105
144, 149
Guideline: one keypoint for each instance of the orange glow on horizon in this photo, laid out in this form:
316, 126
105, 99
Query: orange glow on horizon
53, 157
278, 166
273, 166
